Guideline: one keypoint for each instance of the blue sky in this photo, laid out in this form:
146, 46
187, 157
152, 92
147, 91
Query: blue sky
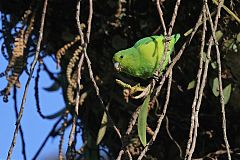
35, 128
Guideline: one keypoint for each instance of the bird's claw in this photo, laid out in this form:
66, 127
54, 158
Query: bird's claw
131, 90
144, 93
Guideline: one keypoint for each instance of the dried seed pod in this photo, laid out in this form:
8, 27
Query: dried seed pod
71, 65
63, 50
17, 60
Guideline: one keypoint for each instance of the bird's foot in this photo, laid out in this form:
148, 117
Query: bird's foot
143, 94
132, 90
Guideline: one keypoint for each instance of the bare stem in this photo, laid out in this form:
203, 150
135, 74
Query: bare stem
199, 74
20, 127
62, 131
129, 130
213, 28
28, 81
161, 16
85, 43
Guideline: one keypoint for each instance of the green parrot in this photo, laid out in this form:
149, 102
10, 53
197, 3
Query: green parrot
143, 59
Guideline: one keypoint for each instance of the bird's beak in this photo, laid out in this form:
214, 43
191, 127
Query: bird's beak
117, 66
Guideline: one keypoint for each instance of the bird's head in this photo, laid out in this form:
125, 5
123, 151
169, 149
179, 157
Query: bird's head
118, 60
126, 61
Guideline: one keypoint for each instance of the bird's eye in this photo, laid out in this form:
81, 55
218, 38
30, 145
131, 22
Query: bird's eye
121, 57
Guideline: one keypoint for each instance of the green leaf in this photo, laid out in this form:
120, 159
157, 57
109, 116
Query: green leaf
102, 129
228, 43
219, 35
142, 121
235, 47
227, 92
215, 87
238, 37
191, 84
214, 65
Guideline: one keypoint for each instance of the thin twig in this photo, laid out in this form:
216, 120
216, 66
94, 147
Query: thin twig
71, 143
89, 20
213, 154
175, 59
129, 155
199, 74
210, 42
161, 17
20, 127
80, 63
167, 38
213, 28
120, 154
168, 73
28, 81
203, 83
190, 30
171, 137
133, 121
189, 155
75, 116
89, 62
174, 16
199, 22
131, 124
227, 10
78, 22
62, 131
149, 131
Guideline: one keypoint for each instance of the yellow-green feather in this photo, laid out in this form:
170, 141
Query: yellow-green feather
143, 59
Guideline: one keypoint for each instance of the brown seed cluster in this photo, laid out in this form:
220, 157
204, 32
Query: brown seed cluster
17, 61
